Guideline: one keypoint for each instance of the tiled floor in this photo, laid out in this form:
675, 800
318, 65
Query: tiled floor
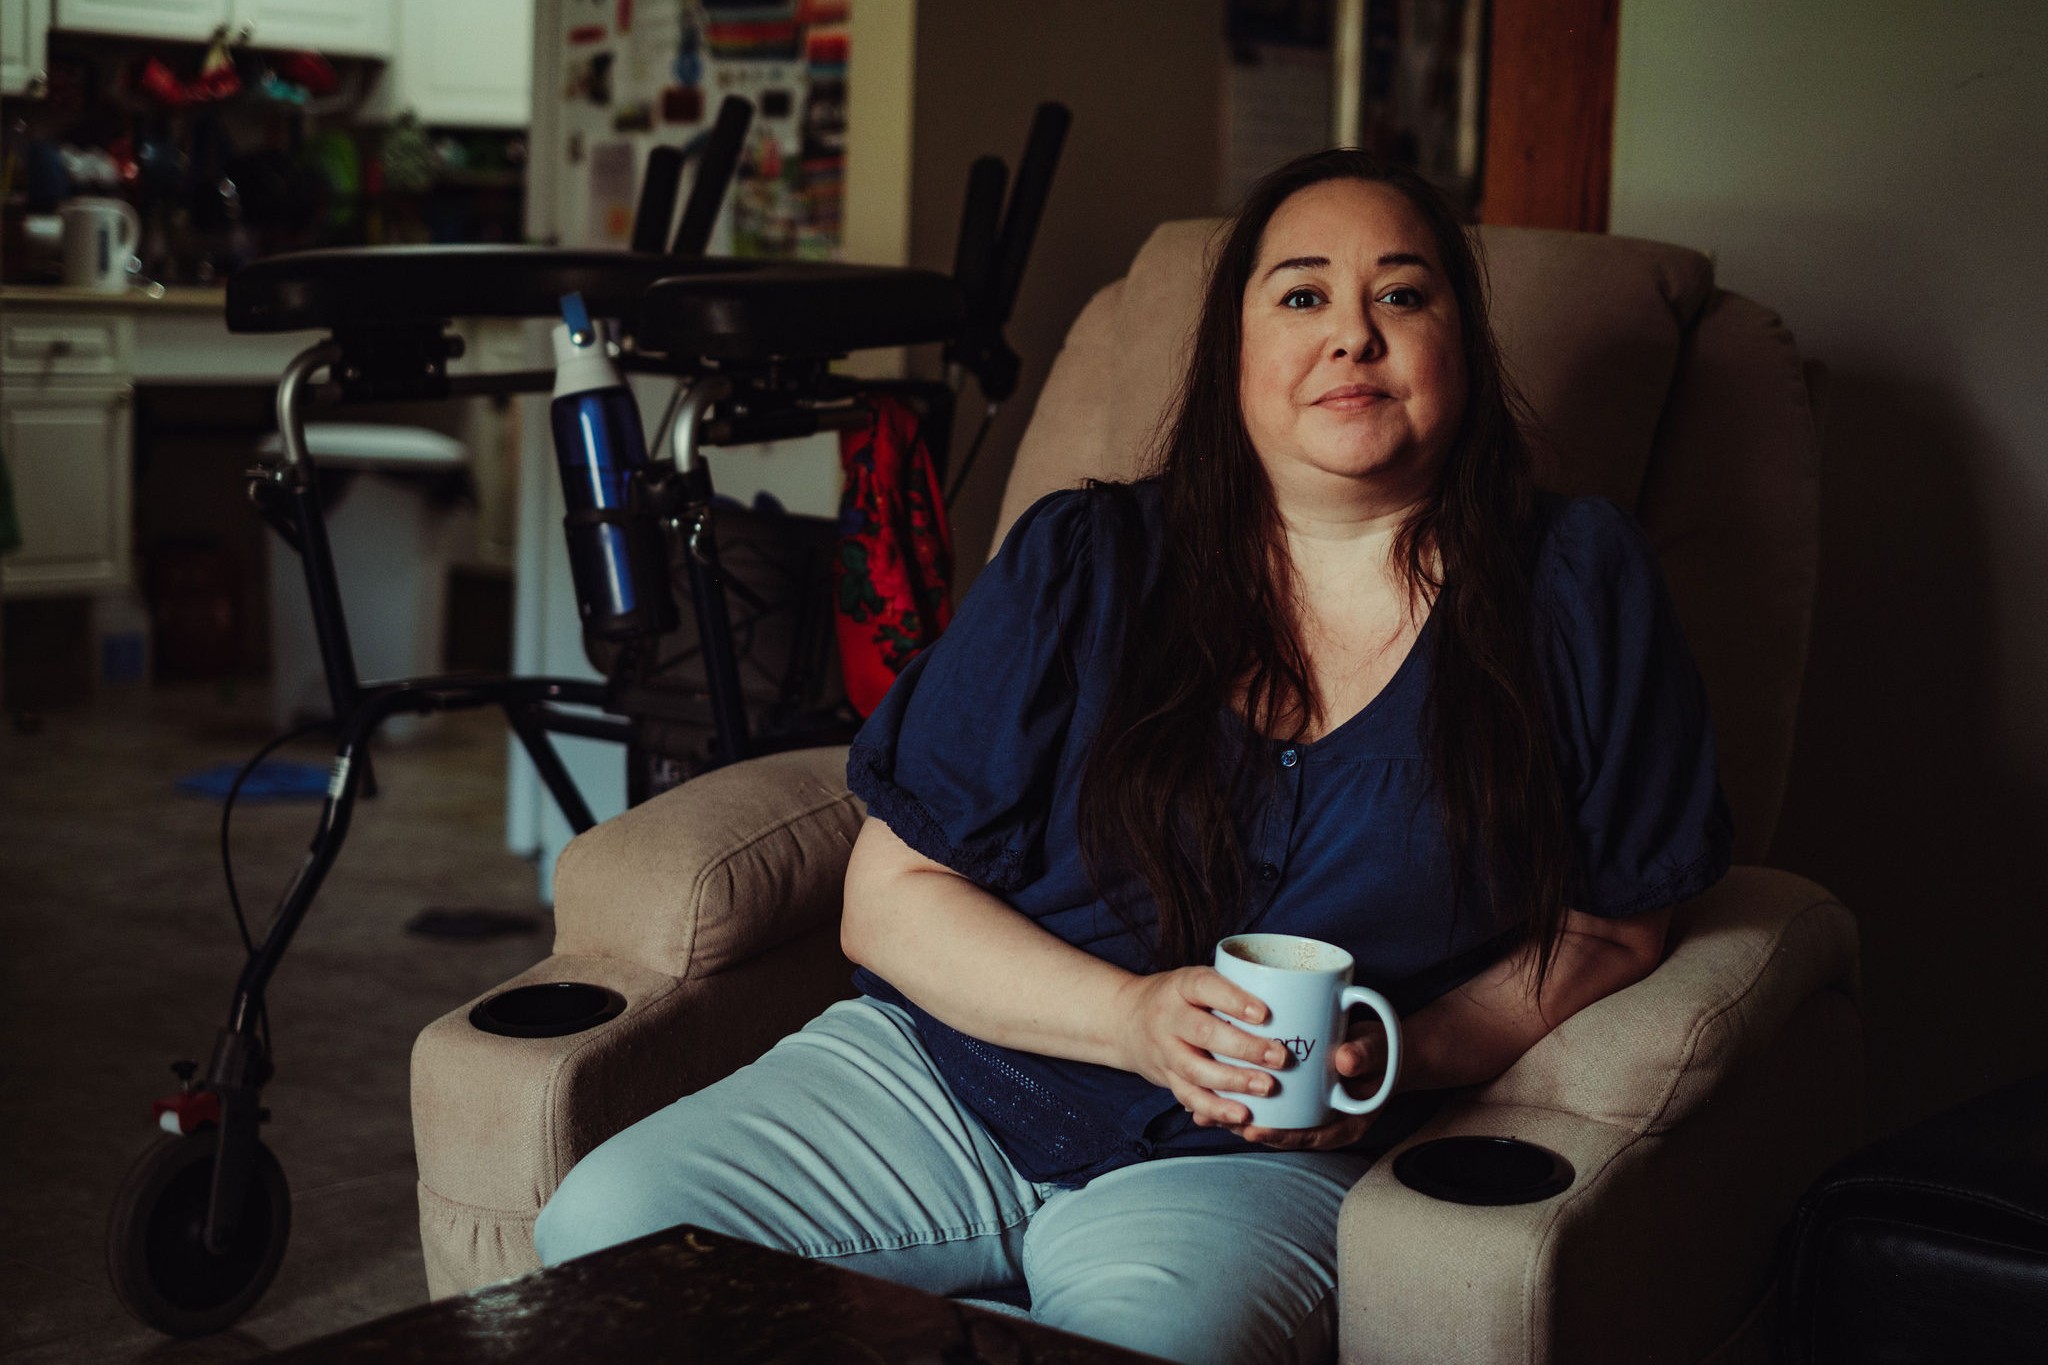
120, 956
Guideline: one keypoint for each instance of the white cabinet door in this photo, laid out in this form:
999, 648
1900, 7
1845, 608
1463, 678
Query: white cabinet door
192, 20
67, 450
341, 28
24, 29
466, 63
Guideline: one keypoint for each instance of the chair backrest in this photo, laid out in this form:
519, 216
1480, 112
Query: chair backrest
1682, 402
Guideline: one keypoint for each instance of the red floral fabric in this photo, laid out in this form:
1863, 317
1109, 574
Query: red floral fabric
893, 578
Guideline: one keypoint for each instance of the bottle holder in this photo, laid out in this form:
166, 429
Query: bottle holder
552, 1009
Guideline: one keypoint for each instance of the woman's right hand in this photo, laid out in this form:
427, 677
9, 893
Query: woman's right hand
1169, 1037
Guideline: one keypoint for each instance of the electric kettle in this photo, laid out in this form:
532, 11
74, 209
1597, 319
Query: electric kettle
99, 241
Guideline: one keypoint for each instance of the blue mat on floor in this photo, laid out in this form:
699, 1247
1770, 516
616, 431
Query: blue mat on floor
276, 780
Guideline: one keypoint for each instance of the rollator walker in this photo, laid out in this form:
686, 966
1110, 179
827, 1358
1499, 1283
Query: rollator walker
199, 1228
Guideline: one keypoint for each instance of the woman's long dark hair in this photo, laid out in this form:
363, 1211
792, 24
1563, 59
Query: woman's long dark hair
1221, 623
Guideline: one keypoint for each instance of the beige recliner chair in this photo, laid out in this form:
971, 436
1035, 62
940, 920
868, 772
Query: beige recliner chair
1694, 1106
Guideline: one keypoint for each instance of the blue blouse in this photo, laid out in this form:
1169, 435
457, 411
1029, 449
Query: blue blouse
975, 756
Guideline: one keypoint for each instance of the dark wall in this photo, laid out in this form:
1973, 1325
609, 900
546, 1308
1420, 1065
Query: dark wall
1904, 799
1833, 155
1143, 79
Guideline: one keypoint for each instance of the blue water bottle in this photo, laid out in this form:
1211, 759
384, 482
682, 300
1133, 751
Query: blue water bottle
617, 560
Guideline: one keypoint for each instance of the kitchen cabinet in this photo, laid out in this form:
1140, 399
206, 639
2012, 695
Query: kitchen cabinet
192, 20
69, 360
66, 428
24, 29
339, 28
461, 63
342, 28
67, 447
39, 348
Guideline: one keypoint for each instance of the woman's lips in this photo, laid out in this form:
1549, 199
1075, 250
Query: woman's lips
1351, 398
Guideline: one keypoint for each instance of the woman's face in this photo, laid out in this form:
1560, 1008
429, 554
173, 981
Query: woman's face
1351, 363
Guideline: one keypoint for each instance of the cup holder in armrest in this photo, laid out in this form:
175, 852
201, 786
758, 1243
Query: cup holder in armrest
549, 1010
1483, 1170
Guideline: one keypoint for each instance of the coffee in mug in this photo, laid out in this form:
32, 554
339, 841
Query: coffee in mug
1305, 984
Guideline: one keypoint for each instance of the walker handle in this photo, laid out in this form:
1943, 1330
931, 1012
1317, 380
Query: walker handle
721, 157
657, 198
1027, 205
980, 219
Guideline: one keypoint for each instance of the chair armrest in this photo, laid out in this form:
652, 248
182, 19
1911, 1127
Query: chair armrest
723, 867
1693, 1107
1743, 957
497, 1121
714, 911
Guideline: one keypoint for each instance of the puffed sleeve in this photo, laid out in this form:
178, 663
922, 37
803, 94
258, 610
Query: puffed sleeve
1634, 736
960, 758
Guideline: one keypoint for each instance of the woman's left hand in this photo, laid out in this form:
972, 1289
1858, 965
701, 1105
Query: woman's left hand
1363, 1055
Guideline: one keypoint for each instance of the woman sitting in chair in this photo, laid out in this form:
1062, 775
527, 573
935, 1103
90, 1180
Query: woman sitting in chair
1337, 670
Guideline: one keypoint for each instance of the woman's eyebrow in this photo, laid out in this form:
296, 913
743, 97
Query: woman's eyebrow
1318, 262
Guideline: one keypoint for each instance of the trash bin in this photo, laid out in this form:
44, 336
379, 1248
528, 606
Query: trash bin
393, 496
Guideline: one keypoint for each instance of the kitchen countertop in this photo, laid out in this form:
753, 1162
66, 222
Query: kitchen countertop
182, 337
176, 298
179, 337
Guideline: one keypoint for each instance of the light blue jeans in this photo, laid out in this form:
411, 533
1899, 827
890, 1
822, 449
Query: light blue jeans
842, 1142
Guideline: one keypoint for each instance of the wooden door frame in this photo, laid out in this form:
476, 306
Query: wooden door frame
1549, 112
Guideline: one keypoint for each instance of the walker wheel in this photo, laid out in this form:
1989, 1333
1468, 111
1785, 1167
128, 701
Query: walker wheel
156, 1239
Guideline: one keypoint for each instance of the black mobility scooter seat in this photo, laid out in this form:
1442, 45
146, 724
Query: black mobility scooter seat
389, 286
790, 309
716, 307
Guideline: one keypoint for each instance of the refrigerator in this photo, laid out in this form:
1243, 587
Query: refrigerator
631, 74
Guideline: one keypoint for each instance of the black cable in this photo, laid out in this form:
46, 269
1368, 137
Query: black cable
227, 861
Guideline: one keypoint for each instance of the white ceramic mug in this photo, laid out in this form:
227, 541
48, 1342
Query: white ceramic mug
99, 238
1306, 987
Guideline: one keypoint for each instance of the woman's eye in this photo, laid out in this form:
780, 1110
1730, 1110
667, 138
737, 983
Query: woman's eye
1402, 296
1299, 298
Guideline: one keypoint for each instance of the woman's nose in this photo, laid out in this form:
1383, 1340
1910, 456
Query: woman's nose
1355, 337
